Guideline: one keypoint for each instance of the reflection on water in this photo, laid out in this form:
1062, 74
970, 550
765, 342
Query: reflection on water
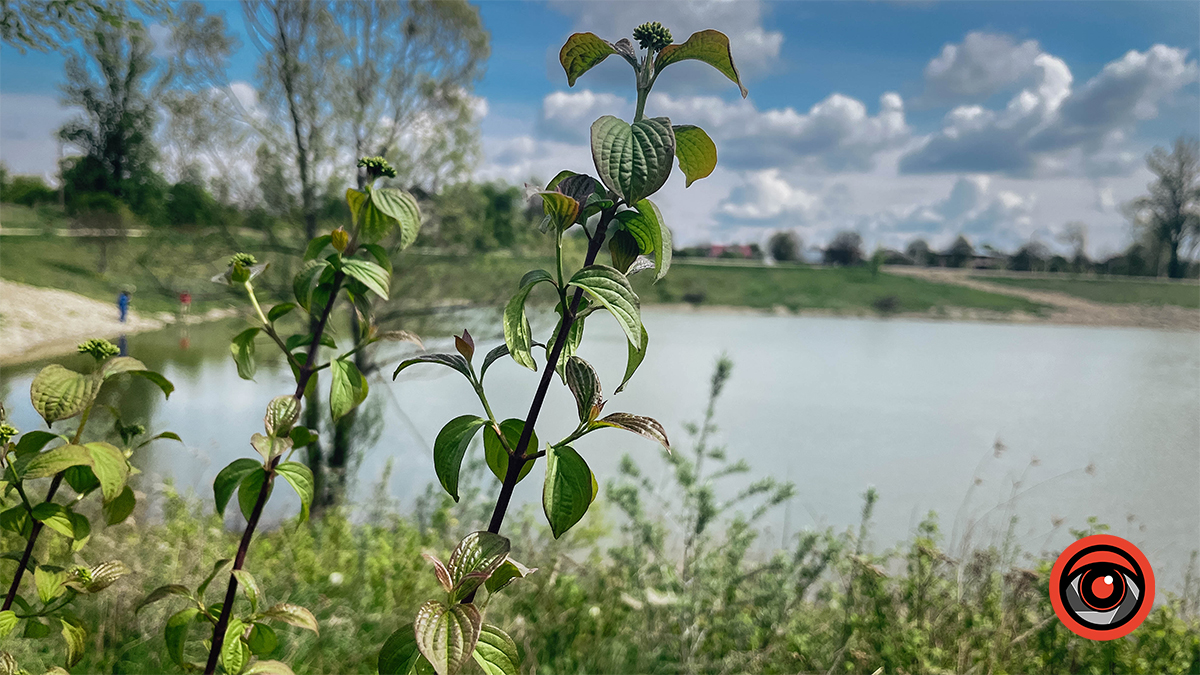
979, 422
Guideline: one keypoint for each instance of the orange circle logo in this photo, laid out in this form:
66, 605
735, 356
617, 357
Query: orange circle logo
1102, 587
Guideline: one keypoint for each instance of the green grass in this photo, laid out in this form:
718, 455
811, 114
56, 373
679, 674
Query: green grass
1115, 292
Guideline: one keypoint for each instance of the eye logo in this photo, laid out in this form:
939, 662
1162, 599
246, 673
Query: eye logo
1102, 587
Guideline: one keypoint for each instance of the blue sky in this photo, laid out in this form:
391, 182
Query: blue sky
1004, 120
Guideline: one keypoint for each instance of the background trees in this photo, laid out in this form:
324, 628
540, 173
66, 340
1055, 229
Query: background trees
1170, 214
784, 246
845, 249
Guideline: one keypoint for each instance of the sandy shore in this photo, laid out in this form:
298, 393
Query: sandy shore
39, 322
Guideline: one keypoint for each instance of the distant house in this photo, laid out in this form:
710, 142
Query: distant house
730, 251
979, 261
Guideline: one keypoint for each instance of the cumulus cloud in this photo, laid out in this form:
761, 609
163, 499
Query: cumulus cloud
984, 64
568, 116
765, 195
1048, 128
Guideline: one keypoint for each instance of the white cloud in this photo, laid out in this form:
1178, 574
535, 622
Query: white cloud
1048, 128
765, 195
984, 64
568, 116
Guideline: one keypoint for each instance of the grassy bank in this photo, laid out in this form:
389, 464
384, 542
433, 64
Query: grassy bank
1111, 291
162, 265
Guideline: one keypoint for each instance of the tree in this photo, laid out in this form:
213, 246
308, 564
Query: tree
1170, 214
1074, 235
1031, 257
108, 80
960, 252
48, 25
845, 249
919, 252
784, 246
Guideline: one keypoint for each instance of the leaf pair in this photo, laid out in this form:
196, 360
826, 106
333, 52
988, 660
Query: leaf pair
584, 51
376, 211
58, 393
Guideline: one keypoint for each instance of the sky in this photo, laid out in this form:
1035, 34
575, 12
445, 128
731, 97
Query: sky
1003, 121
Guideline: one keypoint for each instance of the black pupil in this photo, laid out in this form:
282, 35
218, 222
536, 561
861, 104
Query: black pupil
1095, 590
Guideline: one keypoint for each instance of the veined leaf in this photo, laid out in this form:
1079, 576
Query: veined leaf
111, 469
380, 255
623, 248
638, 424
229, 478
74, 635
176, 634
106, 574
637, 353
249, 587
231, 649
496, 653
279, 311
268, 667
696, 152
495, 454
633, 160
128, 364
509, 571
301, 478
584, 384
50, 583
374, 277
709, 46
611, 289
583, 51
399, 653
347, 389
57, 459
59, 394
647, 227
403, 211
455, 361
474, 560
32, 442
294, 615
446, 635
517, 333
567, 492
162, 593
242, 348
219, 567
306, 279
117, 510
262, 640
317, 246
8, 621
449, 448
560, 209
249, 489
282, 413
492, 356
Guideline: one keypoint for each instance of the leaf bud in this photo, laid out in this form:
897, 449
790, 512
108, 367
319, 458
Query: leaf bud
339, 239
465, 345
239, 267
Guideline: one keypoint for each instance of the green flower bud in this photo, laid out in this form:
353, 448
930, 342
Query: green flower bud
7, 432
239, 267
99, 349
81, 573
376, 167
653, 36
339, 239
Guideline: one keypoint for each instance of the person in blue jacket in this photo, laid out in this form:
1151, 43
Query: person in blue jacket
123, 304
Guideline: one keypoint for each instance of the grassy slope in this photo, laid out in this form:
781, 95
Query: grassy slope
1117, 292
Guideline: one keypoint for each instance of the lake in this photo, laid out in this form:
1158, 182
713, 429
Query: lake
938, 416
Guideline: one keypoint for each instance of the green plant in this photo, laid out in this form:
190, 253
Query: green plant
57, 394
633, 161
349, 262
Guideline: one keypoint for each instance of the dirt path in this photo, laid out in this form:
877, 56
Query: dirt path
1068, 309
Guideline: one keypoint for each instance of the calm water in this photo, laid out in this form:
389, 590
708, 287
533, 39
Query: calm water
1093, 421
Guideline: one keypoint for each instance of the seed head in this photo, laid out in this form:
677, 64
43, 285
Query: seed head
7, 432
99, 349
653, 36
239, 267
377, 166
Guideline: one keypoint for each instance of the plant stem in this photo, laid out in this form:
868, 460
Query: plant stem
306, 372
517, 462
36, 528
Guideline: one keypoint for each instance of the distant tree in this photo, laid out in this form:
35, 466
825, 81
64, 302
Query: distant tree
188, 203
1031, 257
960, 252
1170, 214
919, 252
50, 25
116, 129
784, 246
27, 191
845, 249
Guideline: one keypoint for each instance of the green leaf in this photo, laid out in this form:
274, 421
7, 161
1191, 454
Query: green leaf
357, 200
249, 489
474, 560
111, 469
16, 519
8, 621
560, 209
305, 280
696, 152
81, 479
583, 51
301, 478
294, 615
279, 311
518, 336
231, 648
509, 571
449, 448
380, 255
249, 587
176, 634
455, 361
268, 668
611, 289
637, 353
218, 567
567, 492
374, 277
282, 413
497, 456
633, 160
162, 593
584, 384
74, 634
446, 635
270, 447
647, 227
59, 394
32, 442
347, 389
302, 436
242, 348
81, 530
709, 46
402, 208
130, 365
262, 640
50, 583
55, 517
495, 355
642, 426
316, 247
623, 248
106, 574
57, 459
228, 479
496, 653
399, 653
574, 337
117, 510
